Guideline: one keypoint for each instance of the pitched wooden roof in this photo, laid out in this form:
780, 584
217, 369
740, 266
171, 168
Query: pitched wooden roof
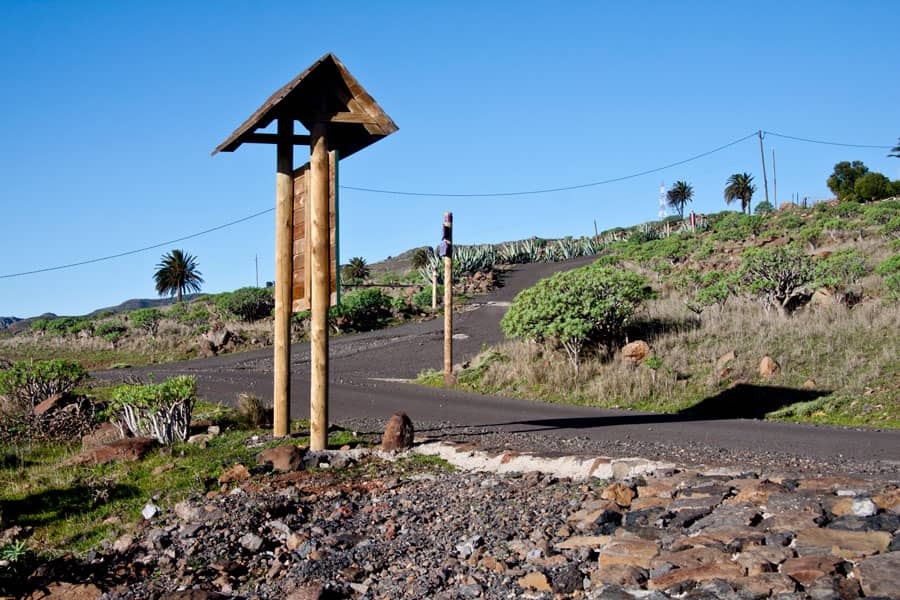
326, 91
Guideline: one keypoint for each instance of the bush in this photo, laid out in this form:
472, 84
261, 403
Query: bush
716, 288
162, 411
363, 310
843, 180
147, 319
61, 326
892, 228
247, 304
763, 208
193, 313
840, 269
789, 222
872, 186
28, 383
423, 299
572, 309
881, 213
777, 275
111, 331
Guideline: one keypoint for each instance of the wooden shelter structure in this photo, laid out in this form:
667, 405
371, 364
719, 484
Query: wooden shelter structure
341, 118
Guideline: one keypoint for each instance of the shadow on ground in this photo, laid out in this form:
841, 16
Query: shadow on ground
742, 401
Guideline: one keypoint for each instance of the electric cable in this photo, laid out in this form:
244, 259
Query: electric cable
800, 139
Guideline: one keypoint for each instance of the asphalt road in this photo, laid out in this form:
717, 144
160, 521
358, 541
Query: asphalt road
366, 388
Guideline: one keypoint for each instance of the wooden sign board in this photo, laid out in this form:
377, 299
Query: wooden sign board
302, 276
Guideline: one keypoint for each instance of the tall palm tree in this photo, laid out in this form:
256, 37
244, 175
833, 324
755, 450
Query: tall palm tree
895, 151
177, 272
680, 194
740, 187
356, 268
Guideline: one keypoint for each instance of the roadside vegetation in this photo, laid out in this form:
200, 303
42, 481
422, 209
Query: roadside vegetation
814, 289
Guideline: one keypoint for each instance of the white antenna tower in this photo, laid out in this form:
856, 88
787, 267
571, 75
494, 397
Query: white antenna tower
663, 204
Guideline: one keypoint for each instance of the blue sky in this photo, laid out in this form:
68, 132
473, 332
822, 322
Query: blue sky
109, 111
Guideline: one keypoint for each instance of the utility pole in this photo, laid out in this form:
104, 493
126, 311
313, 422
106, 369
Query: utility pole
447, 253
762, 157
774, 182
256, 261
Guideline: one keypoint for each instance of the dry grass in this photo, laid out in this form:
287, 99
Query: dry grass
850, 355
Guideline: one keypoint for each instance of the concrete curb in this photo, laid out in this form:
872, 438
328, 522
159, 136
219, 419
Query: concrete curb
469, 458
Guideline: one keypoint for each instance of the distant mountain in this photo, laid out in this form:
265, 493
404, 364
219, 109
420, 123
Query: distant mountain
15, 324
7, 321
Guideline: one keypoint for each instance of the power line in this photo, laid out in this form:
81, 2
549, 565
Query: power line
800, 139
551, 190
445, 195
145, 248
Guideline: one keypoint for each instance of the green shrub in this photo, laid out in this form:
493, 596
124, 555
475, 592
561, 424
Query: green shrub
192, 313
889, 266
422, 299
789, 222
147, 319
735, 227
573, 309
364, 310
777, 275
28, 383
892, 228
62, 326
811, 234
162, 411
111, 331
872, 186
763, 207
880, 213
716, 288
247, 304
892, 286
840, 269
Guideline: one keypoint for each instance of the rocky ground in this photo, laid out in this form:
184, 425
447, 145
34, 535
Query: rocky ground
360, 526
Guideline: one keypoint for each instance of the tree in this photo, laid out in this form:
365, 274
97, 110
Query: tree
176, 273
872, 186
895, 151
778, 276
573, 309
355, 269
740, 187
680, 194
844, 177
421, 257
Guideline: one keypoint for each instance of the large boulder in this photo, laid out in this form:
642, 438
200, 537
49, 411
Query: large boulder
398, 434
282, 458
636, 352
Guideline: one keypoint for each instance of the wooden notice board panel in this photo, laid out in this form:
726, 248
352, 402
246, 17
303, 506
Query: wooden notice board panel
302, 275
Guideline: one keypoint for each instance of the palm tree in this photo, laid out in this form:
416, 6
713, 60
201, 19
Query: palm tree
680, 194
895, 151
421, 257
177, 272
740, 187
356, 269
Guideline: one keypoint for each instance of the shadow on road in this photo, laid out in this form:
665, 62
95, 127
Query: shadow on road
742, 401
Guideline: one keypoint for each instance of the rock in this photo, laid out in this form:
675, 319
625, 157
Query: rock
467, 547
398, 434
217, 336
566, 579
843, 543
194, 595
149, 511
237, 472
596, 516
535, 581
52, 403
582, 541
628, 551
122, 544
878, 575
251, 542
106, 433
283, 458
763, 559
888, 501
765, 584
863, 507
808, 569
768, 367
691, 557
722, 367
624, 575
162, 469
128, 449
724, 570
636, 352
619, 493
809, 384
63, 590
309, 591
199, 439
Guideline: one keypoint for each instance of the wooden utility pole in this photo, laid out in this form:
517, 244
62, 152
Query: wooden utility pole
284, 258
320, 295
762, 157
447, 253
774, 182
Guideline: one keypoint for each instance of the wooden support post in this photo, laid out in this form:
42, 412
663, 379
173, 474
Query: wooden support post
284, 231
434, 287
448, 298
320, 292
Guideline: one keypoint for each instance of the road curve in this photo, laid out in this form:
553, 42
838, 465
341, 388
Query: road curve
366, 388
